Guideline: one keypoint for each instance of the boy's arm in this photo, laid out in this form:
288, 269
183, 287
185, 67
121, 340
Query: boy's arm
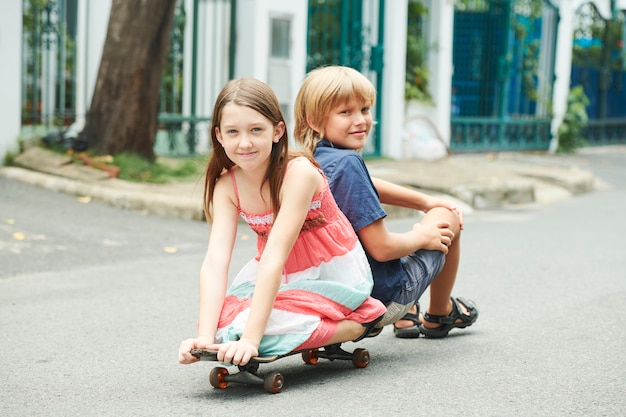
384, 245
397, 195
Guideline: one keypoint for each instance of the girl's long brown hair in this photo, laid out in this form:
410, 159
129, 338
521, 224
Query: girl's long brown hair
258, 96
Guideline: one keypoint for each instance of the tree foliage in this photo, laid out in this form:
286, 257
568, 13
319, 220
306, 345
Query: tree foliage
571, 131
598, 43
417, 75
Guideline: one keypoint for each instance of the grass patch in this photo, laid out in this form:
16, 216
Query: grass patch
137, 169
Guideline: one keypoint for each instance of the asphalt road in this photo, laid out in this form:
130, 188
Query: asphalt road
95, 300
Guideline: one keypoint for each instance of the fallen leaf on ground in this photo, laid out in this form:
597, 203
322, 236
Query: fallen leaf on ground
170, 249
19, 236
84, 199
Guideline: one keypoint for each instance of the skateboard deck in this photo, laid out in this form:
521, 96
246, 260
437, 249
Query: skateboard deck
273, 382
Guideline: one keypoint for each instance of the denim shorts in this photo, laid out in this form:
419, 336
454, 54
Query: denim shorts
421, 268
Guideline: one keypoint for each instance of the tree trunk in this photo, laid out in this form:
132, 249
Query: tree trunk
124, 109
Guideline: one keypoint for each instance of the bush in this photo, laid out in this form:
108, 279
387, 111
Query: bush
570, 132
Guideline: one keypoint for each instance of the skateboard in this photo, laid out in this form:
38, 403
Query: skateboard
273, 382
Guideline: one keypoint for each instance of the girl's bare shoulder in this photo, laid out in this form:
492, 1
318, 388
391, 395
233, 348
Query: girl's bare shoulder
224, 183
300, 166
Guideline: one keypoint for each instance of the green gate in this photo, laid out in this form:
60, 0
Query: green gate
340, 34
503, 55
49, 64
599, 66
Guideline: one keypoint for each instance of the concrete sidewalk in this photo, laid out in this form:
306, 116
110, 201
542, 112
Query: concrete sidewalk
475, 181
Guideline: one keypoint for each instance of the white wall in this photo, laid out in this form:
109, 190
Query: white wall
10, 75
440, 65
212, 49
394, 63
93, 19
253, 45
418, 129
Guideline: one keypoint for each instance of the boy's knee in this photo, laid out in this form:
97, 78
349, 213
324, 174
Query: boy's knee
442, 213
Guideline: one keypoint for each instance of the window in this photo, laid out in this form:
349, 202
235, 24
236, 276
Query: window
280, 38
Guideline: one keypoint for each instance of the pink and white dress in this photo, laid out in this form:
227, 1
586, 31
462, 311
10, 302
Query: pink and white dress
326, 279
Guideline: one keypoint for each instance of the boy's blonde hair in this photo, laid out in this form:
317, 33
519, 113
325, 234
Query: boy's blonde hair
323, 90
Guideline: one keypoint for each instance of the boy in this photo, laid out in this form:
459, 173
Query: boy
333, 120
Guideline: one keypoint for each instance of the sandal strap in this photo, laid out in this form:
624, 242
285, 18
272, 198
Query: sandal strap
472, 311
456, 313
411, 317
370, 329
415, 318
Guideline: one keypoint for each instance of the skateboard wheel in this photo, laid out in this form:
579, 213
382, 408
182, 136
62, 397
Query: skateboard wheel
273, 383
216, 377
310, 356
360, 358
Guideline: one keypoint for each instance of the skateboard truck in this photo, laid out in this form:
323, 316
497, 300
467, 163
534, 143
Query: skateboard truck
273, 382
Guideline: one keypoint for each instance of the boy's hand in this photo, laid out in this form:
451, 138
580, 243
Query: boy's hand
435, 236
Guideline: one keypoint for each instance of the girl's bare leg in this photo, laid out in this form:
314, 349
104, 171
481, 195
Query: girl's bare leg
347, 330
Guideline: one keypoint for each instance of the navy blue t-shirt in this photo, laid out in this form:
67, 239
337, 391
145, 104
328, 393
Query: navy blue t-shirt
356, 196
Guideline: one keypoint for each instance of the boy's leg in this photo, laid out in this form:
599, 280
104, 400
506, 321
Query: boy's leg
443, 313
421, 268
442, 285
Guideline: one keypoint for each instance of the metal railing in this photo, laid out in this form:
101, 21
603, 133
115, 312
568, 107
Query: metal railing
494, 134
606, 132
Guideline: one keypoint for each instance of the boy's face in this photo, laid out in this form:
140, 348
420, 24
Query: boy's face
349, 124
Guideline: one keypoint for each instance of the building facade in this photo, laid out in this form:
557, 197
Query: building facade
265, 39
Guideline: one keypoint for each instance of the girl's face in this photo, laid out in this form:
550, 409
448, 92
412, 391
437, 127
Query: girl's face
247, 136
349, 124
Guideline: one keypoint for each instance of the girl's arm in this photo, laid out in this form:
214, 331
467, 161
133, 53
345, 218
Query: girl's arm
400, 196
301, 183
214, 270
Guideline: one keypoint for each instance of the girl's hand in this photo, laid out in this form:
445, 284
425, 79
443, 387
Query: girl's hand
184, 351
237, 352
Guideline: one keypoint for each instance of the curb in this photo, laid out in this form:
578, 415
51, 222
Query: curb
130, 199
474, 182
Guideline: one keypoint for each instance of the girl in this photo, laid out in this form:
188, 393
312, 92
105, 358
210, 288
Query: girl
309, 284
333, 121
